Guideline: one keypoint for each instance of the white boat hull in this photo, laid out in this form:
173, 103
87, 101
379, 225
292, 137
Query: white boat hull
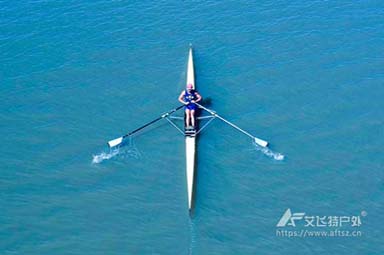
190, 149
190, 141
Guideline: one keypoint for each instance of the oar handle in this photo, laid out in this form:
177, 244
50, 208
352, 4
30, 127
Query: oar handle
208, 110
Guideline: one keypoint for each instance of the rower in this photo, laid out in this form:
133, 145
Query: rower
189, 97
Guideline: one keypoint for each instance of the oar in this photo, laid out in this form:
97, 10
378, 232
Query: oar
257, 140
119, 140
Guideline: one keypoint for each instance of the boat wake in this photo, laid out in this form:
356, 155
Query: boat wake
193, 237
128, 150
269, 153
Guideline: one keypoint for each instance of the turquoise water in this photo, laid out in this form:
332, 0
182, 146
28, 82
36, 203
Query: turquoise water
304, 75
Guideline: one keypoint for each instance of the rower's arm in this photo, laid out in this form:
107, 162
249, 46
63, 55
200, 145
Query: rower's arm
181, 97
198, 97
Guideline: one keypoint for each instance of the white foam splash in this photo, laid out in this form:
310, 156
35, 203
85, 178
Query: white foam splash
104, 156
128, 150
269, 153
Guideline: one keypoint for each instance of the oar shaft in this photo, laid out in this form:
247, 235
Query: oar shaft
258, 140
236, 127
226, 121
119, 140
142, 127
153, 121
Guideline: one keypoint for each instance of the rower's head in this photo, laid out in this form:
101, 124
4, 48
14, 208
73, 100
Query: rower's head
189, 86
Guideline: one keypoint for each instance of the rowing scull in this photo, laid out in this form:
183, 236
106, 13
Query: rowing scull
190, 137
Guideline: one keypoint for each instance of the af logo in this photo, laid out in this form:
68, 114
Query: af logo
288, 219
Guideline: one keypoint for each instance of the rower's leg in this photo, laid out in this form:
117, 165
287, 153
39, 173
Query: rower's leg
187, 117
193, 118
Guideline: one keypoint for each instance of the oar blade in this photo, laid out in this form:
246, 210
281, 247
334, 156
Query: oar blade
260, 142
115, 142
